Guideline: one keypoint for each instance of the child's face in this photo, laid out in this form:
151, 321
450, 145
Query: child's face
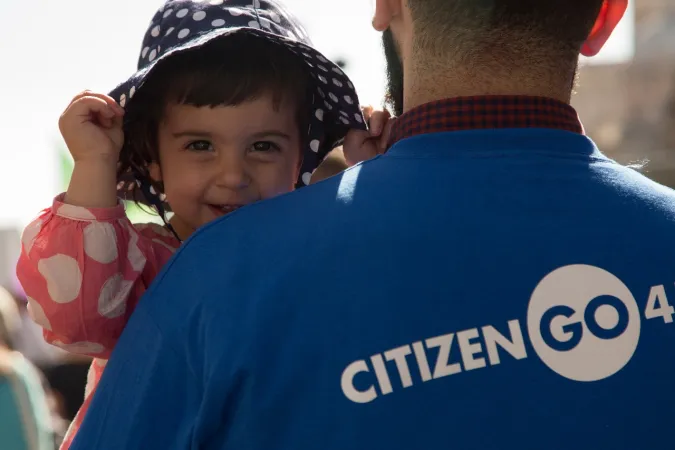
214, 160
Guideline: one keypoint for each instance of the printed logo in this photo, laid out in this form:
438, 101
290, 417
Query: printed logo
583, 322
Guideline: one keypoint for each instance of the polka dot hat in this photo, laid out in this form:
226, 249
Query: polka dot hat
183, 25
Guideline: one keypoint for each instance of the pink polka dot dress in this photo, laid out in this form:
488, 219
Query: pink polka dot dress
83, 271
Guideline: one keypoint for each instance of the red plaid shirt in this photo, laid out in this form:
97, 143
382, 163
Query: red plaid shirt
471, 113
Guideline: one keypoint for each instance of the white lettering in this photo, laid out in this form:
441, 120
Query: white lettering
442, 368
398, 355
347, 383
422, 361
658, 306
381, 374
514, 347
468, 349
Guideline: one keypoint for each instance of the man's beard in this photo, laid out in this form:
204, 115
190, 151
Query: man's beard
394, 68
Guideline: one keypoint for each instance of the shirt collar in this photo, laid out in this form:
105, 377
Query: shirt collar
486, 112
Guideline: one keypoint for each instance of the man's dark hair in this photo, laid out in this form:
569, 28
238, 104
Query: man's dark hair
509, 27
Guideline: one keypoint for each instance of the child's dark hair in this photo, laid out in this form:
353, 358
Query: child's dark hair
225, 72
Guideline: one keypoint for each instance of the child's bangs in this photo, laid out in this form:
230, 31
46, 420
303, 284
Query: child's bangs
233, 70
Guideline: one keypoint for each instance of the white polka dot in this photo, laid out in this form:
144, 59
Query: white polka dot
349, 100
155, 31
306, 178
254, 24
337, 70
77, 212
29, 234
319, 114
159, 49
321, 58
314, 145
86, 348
337, 82
323, 79
182, 13
134, 255
100, 242
112, 302
153, 55
216, 2
344, 113
91, 378
333, 97
169, 31
328, 105
132, 91
182, 33
236, 11
351, 86
123, 100
167, 13
145, 52
321, 92
358, 118
344, 120
275, 17
199, 15
322, 67
63, 277
218, 23
37, 314
308, 56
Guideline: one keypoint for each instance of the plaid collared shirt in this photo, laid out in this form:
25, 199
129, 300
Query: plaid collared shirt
471, 113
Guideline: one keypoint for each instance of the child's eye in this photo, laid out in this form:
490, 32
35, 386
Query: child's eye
265, 146
200, 146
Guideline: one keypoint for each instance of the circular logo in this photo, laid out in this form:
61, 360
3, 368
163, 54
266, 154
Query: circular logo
583, 322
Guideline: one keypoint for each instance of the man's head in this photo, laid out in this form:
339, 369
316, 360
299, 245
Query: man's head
478, 40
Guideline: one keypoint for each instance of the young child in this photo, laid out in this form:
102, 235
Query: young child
230, 105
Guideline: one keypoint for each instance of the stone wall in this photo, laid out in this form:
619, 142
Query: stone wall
629, 110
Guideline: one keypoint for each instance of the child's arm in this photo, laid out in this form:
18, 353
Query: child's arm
84, 270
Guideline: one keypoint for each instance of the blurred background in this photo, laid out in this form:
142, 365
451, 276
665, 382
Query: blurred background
51, 50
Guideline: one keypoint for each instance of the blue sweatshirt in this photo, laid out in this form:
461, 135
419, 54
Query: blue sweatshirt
497, 289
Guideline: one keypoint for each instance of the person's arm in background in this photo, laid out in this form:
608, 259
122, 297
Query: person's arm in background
24, 416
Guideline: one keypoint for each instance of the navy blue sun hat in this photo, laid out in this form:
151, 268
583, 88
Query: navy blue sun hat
184, 25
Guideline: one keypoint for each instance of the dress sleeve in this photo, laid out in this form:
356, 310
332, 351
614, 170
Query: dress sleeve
84, 270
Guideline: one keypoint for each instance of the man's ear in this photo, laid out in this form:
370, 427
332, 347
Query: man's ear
385, 11
609, 17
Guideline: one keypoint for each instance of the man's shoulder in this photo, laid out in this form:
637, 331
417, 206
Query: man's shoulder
285, 214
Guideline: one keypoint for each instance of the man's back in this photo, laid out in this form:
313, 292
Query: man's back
490, 294
469, 290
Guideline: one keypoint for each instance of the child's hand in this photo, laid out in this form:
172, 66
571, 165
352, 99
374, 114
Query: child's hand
360, 146
92, 127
